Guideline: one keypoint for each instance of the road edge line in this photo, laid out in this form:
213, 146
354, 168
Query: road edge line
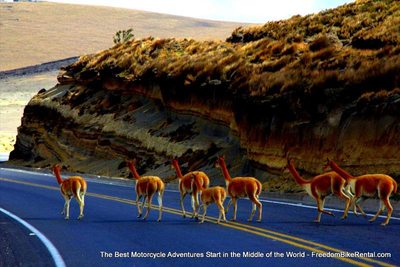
55, 254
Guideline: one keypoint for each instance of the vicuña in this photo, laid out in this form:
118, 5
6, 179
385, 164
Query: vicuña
240, 187
321, 186
146, 187
368, 185
215, 194
187, 187
74, 186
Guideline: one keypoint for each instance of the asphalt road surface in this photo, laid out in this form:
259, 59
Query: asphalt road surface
34, 233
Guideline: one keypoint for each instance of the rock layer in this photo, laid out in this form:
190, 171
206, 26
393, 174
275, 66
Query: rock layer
256, 100
93, 129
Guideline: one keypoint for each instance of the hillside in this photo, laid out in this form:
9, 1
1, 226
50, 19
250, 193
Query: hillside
254, 98
40, 32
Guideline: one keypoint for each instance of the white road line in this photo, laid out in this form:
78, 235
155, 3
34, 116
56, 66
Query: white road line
58, 260
26, 172
300, 205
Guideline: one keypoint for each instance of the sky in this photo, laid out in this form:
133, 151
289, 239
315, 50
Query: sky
252, 11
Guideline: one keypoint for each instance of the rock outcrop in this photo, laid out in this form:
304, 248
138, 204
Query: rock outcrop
254, 102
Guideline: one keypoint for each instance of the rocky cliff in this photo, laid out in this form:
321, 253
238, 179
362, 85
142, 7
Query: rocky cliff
328, 92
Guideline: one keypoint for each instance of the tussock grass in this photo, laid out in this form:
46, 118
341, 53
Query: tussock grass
353, 49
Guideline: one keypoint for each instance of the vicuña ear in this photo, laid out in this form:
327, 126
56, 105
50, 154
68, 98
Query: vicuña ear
288, 158
283, 169
328, 162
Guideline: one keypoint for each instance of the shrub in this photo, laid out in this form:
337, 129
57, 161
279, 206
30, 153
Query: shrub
123, 36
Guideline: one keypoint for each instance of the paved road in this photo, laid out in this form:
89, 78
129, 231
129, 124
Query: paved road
110, 231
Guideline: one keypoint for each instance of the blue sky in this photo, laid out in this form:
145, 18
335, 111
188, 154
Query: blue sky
256, 11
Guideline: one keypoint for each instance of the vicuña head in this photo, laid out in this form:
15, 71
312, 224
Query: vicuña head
74, 186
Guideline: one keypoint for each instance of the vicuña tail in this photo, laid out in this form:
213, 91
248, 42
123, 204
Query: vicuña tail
259, 188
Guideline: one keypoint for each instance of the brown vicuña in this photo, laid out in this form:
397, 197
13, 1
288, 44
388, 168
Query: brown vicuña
187, 187
146, 187
368, 185
240, 187
321, 186
74, 186
215, 194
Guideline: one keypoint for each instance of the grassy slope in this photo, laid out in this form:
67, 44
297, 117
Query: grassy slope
353, 50
33, 33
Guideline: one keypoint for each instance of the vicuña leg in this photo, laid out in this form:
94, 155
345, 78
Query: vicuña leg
138, 197
234, 202
80, 202
182, 206
347, 204
356, 201
149, 200
204, 213
339, 190
384, 203
221, 212
320, 205
195, 203
256, 203
83, 197
380, 210
389, 210
81, 207
160, 205
228, 205
66, 207
253, 211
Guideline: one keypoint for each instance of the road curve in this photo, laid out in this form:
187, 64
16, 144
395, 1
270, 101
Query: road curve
111, 235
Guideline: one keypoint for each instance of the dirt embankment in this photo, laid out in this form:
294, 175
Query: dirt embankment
254, 99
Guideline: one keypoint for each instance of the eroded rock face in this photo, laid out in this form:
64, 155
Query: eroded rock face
324, 85
93, 127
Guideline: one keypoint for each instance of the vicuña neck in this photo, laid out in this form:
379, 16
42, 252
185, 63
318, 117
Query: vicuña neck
58, 175
300, 180
178, 169
134, 171
339, 170
225, 171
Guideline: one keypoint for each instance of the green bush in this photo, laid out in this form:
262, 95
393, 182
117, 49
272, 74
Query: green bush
123, 36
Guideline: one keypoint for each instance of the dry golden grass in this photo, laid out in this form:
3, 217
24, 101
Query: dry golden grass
266, 66
365, 24
33, 33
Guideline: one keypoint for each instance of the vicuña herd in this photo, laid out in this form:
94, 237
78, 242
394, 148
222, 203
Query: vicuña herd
337, 182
